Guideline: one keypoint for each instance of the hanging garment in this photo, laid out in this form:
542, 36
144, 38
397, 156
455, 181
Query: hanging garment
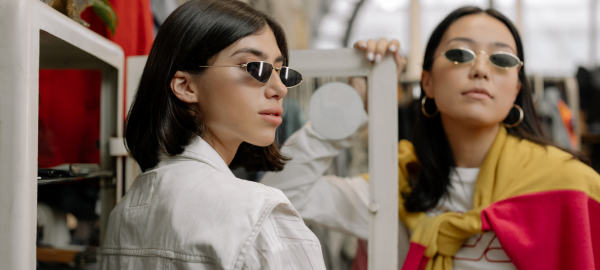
566, 115
542, 204
135, 32
191, 213
551, 116
69, 117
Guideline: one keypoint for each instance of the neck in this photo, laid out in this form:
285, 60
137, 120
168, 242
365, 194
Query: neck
469, 144
226, 148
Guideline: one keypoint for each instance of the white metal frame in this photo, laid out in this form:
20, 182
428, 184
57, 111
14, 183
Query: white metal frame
383, 140
35, 36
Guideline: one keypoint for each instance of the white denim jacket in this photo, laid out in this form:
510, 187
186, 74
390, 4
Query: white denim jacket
191, 212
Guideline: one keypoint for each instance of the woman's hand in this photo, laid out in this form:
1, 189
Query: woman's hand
374, 52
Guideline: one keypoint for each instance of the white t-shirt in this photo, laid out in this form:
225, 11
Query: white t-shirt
480, 251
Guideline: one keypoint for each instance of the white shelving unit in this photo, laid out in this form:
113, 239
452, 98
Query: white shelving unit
34, 36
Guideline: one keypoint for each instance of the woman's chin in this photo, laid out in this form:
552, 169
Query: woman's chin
482, 122
262, 141
477, 120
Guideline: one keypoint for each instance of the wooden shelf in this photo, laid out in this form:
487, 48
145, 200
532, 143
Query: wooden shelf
47, 254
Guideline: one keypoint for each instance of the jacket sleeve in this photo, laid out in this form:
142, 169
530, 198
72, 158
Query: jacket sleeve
339, 203
284, 242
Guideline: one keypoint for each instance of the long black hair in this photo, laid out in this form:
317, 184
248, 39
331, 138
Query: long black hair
190, 37
429, 179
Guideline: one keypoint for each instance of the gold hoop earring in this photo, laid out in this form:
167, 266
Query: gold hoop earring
521, 116
425, 112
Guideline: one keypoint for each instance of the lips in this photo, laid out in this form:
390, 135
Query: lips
477, 93
272, 115
275, 111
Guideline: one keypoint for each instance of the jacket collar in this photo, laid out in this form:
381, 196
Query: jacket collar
201, 151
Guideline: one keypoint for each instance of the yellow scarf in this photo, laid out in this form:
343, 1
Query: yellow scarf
512, 167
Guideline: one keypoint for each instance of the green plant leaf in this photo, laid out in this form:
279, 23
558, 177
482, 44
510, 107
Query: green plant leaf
106, 13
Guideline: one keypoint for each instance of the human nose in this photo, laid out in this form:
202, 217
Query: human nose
275, 87
481, 67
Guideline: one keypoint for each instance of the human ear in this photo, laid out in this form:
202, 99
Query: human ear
427, 84
181, 87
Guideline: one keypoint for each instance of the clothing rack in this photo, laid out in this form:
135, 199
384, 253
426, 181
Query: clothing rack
571, 95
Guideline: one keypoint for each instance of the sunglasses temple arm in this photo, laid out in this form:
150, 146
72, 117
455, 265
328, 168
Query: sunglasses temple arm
221, 66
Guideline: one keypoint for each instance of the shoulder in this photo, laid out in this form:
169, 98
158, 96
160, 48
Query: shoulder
527, 149
285, 242
199, 188
550, 158
204, 178
285, 223
552, 166
290, 226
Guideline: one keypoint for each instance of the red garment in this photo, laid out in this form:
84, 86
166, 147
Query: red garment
547, 230
361, 258
544, 230
69, 112
135, 32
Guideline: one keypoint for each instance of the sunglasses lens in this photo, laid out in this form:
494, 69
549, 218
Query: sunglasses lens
504, 60
459, 55
290, 77
261, 71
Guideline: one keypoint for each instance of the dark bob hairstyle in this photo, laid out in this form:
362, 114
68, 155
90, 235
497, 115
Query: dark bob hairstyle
190, 37
429, 180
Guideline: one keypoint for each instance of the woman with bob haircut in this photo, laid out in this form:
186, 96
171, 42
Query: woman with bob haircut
209, 100
480, 186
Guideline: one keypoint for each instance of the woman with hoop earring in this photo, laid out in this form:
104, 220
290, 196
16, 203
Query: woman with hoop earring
480, 185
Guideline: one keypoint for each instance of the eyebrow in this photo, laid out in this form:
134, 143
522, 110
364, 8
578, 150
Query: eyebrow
468, 40
500, 44
263, 56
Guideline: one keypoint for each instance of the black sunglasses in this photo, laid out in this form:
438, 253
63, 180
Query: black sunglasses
503, 60
262, 71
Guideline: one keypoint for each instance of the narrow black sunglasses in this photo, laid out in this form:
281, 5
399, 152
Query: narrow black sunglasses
503, 60
262, 71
